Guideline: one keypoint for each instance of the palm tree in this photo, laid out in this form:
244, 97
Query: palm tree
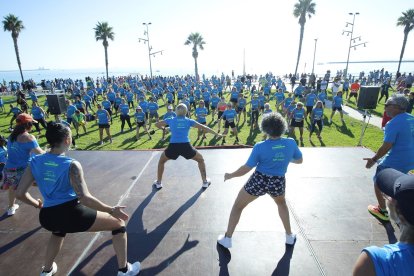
407, 21
302, 9
13, 24
197, 40
104, 32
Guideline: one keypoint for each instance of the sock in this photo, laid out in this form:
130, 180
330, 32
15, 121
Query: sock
124, 270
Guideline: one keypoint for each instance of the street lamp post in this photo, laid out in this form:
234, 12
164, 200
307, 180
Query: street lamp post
314, 54
352, 40
146, 40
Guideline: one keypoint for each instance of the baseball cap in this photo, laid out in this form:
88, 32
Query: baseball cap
139, 108
400, 187
170, 107
24, 118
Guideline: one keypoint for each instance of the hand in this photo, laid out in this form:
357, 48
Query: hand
39, 203
227, 176
370, 162
119, 213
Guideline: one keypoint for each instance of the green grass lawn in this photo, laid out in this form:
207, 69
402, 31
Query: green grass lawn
334, 135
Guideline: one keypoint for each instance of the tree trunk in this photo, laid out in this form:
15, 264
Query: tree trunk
196, 69
402, 50
302, 30
106, 62
16, 49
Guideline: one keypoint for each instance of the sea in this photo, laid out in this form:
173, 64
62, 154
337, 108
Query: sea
320, 69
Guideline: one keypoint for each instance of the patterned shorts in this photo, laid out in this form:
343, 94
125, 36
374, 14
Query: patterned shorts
260, 184
12, 178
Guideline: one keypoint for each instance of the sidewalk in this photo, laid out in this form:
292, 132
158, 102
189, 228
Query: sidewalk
357, 114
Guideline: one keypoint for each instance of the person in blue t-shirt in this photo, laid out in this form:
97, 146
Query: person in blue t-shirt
397, 150
3, 155
241, 107
170, 114
201, 114
180, 143
310, 101
298, 92
230, 117
254, 112
395, 259
117, 102
214, 104
279, 96
153, 111
39, 116
271, 159
297, 116
286, 103
16, 111
20, 145
70, 110
106, 105
337, 106
316, 119
322, 96
124, 115
267, 109
130, 98
67, 205
103, 123
141, 121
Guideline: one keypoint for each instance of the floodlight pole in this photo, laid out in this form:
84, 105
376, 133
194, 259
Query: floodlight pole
146, 40
314, 54
350, 41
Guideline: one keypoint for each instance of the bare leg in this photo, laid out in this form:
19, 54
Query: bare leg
161, 164
53, 248
12, 197
106, 222
242, 200
101, 134
201, 166
380, 198
283, 212
108, 133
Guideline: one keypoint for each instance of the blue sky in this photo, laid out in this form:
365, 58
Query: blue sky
59, 34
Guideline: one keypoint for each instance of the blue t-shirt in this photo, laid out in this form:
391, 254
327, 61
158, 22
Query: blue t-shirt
152, 107
139, 117
106, 104
124, 109
322, 96
19, 153
117, 101
144, 106
111, 96
37, 113
255, 104
179, 127
272, 157
299, 90
400, 132
310, 99
241, 103
3, 155
298, 114
287, 102
317, 113
51, 173
102, 116
337, 101
170, 114
200, 113
215, 101
229, 115
393, 259
279, 97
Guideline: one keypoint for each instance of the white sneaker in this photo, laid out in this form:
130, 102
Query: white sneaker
50, 273
290, 239
12, 210
133, 269
224, 241
206, 183
158, 185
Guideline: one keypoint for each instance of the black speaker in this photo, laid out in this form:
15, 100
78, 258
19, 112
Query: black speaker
56, 103
368, 97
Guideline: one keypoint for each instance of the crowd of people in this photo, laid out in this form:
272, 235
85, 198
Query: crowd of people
68, 206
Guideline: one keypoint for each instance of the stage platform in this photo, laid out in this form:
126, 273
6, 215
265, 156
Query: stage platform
173, 231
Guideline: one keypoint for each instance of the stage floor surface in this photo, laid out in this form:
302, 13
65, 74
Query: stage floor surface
173, 231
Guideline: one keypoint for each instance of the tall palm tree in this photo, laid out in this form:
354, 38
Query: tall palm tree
13, 24
197, 40
407, 21
104, 32
302, 9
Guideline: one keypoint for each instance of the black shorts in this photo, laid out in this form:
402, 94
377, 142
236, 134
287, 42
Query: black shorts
228, 124
153, 115
309, 109
241, 109
174, 150
260, 184
104, 126
336, 108
233, 101
68, 217
353, 94
220, 113
140, 124
295, 123
213, 107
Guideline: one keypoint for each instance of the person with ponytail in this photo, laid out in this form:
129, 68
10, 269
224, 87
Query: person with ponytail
67, 205
20, 145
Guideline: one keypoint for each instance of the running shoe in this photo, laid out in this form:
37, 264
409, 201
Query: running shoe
206, 183
224, 241
376, 211
51, 272
290, 239
157, 184
12, 210
133, 269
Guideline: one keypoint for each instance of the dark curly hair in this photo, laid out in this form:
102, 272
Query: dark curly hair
273, 124
56, 133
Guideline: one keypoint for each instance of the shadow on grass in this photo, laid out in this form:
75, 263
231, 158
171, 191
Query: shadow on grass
344, 130
252, 136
